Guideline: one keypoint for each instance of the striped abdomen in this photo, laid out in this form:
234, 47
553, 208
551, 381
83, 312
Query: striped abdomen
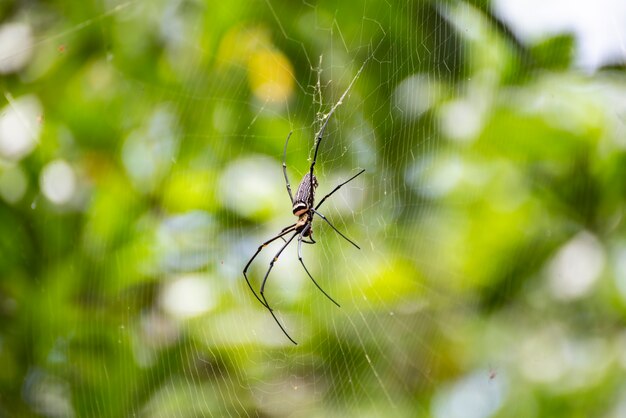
304, 195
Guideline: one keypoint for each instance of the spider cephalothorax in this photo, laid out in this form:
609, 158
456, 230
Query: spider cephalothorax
303, 206
303, 220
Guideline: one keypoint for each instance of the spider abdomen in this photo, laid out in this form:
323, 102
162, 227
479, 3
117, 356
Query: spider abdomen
304, 195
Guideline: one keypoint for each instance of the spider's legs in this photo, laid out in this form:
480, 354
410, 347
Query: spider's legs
329, 195
319, 137
245, 270
318, 140
283, 230
336, 230
300, 241
338, 187
265, 280
285, 168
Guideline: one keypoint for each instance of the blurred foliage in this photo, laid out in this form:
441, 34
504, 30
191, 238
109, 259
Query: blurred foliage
140, 168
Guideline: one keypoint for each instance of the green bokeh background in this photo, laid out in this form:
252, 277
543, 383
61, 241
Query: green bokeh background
494, 177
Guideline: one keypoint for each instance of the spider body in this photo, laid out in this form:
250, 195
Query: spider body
303, 206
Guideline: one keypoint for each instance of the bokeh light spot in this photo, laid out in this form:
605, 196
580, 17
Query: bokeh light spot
16, 46
19, 126
416, 95
188, 296
58, 182
576, 267
271, 76
253, 187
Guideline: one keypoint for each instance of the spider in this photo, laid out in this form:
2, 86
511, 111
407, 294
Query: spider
303, 206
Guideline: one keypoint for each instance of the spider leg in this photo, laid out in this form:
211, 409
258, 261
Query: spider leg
336, 230
265, 280
339, 187
285, 231
285, 168
300, 240
319, 137
318, 140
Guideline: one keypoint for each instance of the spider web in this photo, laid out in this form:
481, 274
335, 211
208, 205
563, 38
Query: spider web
143, 170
